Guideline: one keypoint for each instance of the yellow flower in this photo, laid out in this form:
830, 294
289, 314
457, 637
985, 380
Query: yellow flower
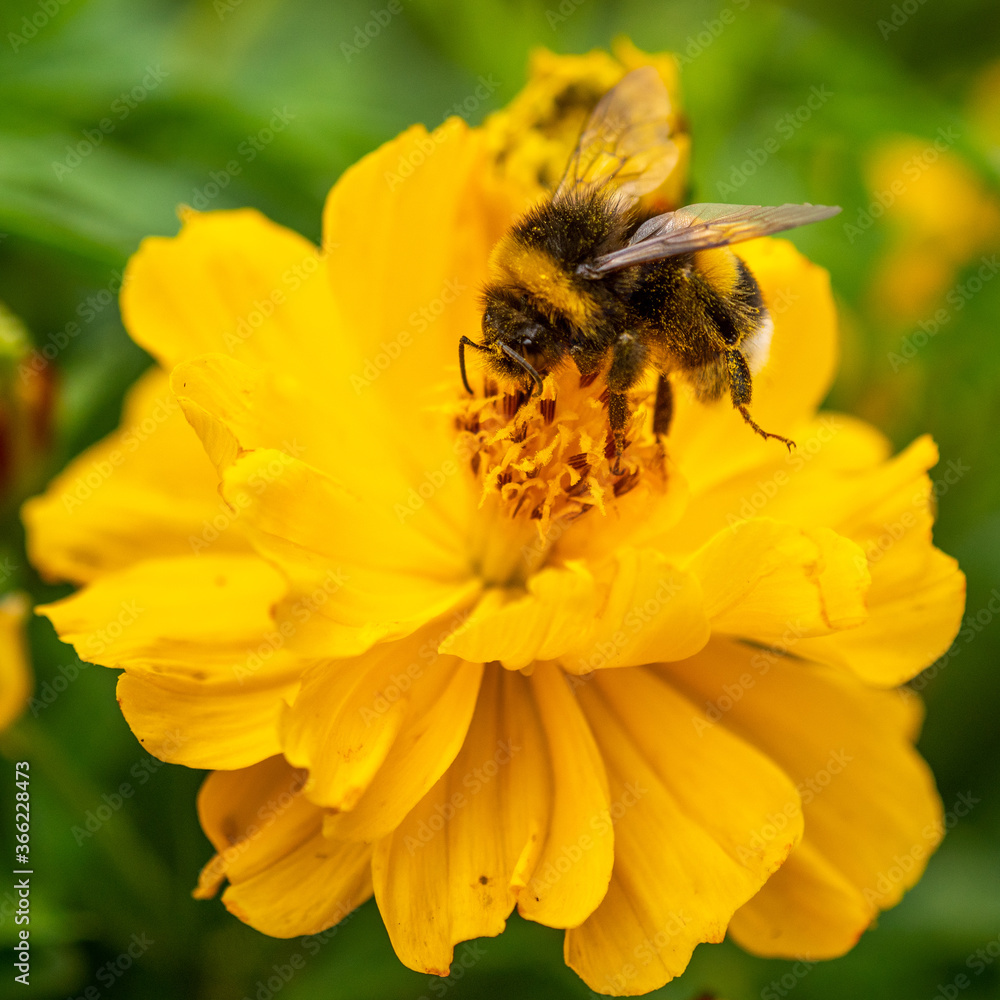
15, 669
435, 651
943, 216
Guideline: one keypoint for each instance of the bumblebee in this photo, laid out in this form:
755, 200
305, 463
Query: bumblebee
588, 277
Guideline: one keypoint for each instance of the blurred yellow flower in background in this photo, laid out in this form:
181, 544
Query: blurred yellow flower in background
15, 670
435, 652
942, 217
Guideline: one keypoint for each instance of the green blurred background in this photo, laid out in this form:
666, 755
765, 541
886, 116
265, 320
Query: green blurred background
187, 87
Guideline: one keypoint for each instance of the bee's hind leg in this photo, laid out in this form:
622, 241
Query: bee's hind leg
740, 387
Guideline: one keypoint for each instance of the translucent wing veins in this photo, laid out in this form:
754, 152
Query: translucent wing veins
701, 227
626, 140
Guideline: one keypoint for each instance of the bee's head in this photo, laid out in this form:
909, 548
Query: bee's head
522, 348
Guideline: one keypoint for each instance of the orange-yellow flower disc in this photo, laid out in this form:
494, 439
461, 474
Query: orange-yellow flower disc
435, 651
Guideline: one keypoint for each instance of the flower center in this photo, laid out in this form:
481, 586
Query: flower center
544, 463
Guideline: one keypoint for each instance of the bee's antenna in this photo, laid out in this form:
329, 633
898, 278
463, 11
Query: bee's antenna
524, 364
461, 360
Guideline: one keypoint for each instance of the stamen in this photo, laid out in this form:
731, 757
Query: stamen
545, 461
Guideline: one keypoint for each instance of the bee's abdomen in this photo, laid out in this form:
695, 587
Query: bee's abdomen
700, 297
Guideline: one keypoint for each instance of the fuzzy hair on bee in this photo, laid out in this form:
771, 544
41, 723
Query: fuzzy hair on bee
587, 277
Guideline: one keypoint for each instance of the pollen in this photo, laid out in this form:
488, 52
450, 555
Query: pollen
545, 461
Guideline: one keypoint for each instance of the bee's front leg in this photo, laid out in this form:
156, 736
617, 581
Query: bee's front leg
628, 362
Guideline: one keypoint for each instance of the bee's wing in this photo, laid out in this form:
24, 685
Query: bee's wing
701, 227
626, 141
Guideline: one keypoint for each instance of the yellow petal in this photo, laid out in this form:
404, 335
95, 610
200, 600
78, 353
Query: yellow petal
222, 400
349, 712
252, 816
426, 199
522, 814
445, 874
871, 810
199, 724
206, 670
807, 486
917, 594
651, 611
235, 285
431, 201
15, 671
235, 408
431, 734
701, 820
766, 580
571, 875
807, 910
640, 608
539, 626
231, 282
145, 491
285, 878
839, 478
359, 574
910, 626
